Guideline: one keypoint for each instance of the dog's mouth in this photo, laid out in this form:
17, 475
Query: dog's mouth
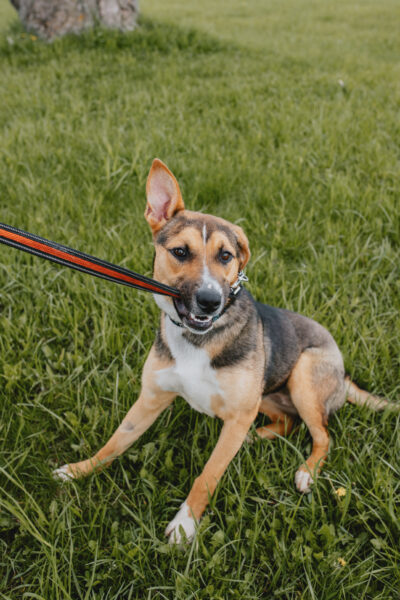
200, 323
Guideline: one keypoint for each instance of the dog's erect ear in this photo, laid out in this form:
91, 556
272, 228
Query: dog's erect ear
164, 198
244, 250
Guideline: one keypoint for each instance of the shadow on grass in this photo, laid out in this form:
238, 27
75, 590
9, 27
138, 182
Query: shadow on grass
149, 37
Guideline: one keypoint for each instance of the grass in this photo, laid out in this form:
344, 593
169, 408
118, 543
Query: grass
244, 104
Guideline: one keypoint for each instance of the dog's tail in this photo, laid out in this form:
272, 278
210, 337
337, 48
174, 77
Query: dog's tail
356, 395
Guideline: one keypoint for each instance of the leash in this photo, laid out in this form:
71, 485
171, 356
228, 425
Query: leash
68, 257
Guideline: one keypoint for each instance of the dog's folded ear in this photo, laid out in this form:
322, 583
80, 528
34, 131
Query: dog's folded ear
164, 198
243, 246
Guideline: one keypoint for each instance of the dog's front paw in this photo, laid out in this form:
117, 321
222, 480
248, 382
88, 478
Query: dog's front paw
182, 526
64, 473
303, 480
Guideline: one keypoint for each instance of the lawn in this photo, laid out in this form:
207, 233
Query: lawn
283, 117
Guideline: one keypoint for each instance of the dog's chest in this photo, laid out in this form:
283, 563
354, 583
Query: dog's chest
192, 376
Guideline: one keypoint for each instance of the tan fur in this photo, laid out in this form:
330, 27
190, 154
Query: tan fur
151, 402
220, 272
309, 400
356, 395
238, 403
312, 389
282, 423
232, 436
166, 268
241, 387
161, 175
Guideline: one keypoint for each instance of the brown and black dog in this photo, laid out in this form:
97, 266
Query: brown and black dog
226, 354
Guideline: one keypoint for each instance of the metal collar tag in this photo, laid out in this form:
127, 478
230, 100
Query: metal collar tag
236, 287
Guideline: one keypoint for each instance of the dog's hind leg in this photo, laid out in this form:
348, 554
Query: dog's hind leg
282, 423
315, 385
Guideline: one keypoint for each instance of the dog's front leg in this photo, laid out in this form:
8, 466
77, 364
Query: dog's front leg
139, 418
232, 436
151, 402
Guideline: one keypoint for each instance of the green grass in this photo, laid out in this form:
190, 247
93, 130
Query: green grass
242, 101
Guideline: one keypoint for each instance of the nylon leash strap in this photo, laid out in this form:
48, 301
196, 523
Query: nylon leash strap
68, 257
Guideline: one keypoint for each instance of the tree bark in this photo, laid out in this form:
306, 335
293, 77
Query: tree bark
54, 18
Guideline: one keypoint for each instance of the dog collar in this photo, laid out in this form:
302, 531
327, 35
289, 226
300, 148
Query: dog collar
236, 287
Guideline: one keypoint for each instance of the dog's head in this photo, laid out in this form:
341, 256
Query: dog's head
199, 255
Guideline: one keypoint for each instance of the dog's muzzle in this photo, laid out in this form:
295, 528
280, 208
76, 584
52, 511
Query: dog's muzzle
199, 323
209, 303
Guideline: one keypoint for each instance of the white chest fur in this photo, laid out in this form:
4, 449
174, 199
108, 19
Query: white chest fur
192, 376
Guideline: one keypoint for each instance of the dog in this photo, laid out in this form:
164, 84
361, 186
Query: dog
227, 355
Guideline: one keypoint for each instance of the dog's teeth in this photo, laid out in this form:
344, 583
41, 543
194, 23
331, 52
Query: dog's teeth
198, 319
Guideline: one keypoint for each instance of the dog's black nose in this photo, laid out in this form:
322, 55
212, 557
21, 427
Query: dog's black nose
208, 299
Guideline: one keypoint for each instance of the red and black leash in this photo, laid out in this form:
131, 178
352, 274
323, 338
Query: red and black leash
16, 238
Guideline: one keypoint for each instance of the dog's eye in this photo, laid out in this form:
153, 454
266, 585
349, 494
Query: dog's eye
225, 256
180, 253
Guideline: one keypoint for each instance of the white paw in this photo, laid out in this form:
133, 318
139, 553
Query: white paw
303, 481
181, 525
63, 473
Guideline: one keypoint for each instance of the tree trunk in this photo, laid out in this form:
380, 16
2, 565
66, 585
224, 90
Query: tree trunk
54, 18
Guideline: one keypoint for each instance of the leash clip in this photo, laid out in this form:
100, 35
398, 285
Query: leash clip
237, 286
